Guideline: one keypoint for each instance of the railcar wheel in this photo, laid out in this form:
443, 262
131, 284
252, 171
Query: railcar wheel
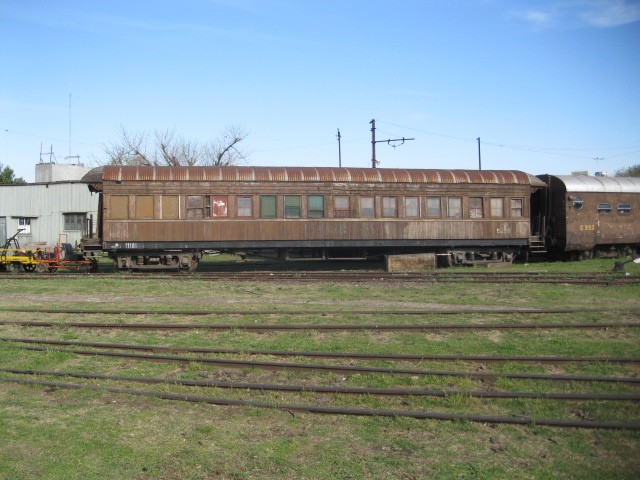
15, 267
41, 268
29, 268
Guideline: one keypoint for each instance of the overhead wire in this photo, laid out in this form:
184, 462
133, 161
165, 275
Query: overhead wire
545, 150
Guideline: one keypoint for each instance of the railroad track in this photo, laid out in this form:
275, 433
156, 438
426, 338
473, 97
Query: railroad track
161, 353
511, 420
252, 327
324, 313
596, 278
395, 392
337, 410
340, 369
333, 355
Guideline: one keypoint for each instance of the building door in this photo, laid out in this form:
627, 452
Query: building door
3, 230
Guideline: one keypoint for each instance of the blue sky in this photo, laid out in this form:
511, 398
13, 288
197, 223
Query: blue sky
550, 86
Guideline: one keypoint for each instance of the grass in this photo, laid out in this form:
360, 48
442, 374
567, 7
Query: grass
56, 433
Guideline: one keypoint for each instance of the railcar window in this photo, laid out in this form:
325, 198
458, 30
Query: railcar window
497, 207
74, 221
169, 206
389, 206
292, 206
119, 207
144, 206
341, 206
316, 206
624, 208
433, 207
219, 205
516, 207
604, 208
367, 207
412, 207
245, 207
267, 206
475, 207
454, 207
578, 203
198, 206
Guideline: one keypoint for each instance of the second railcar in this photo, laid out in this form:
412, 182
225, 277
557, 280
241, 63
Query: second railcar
591, 216
165, 217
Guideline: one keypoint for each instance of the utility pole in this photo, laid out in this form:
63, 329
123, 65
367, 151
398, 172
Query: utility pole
339, 150
479, 157
374, 162
77, 157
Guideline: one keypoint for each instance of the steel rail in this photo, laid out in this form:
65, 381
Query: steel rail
514, 420
359, 356
324, 327
475, 311
338, 390
343, 369
212, 270
357, 277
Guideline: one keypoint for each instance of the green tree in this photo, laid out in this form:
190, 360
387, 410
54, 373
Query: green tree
7, 176
632, 171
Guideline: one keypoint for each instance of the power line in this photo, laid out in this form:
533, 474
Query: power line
52, 138
545, 150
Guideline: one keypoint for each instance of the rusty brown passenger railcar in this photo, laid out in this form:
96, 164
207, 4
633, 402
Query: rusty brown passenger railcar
592, 216
158, 217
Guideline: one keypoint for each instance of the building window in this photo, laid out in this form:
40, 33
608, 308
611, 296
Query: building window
455, 207
169, 206
604, 208
144, 206
219, 205
267, 206
412, 207
292, 206
497, 207
198, 206
367, 207
389, 207
516, 207
578, 203
245, 207
433, 207
341, 206
24, 224
316, 206
624, 208
74, 221
119, 207
475, 207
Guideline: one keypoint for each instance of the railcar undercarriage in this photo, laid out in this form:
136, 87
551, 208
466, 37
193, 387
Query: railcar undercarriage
161, 260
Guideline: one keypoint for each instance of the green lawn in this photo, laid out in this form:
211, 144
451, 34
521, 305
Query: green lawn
56, 433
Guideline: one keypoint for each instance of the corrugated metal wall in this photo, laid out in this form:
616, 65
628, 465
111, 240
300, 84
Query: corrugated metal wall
45, 205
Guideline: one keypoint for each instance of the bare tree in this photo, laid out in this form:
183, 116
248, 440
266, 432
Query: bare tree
167, 149
225, 149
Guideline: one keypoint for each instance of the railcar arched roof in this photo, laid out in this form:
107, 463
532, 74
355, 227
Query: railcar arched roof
311, 174
585, 183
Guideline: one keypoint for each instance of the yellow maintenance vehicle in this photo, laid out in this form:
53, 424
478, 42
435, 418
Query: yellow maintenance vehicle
45, 259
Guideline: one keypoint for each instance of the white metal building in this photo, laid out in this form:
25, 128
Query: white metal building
44, 210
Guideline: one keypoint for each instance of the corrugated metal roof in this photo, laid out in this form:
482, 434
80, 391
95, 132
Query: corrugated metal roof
584, 183
310, 174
